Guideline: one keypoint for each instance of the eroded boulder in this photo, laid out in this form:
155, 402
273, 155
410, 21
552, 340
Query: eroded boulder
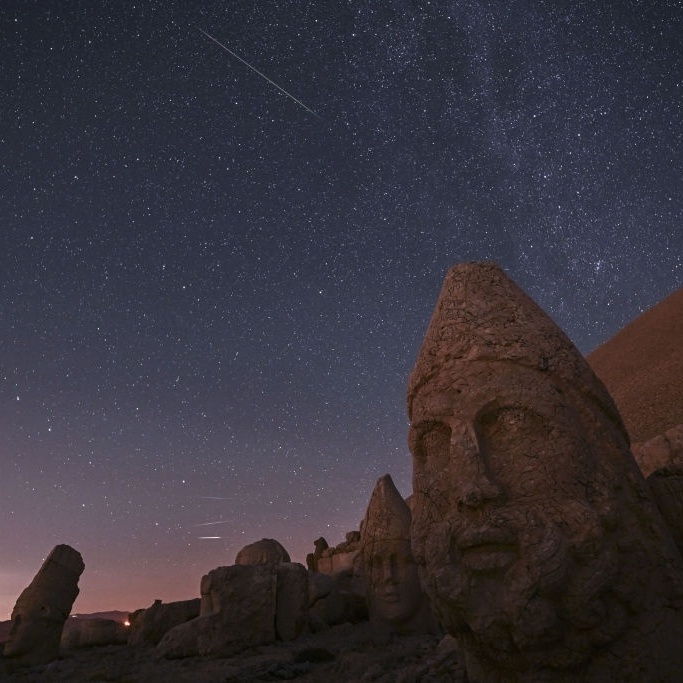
291, 606
148, 626
238, 611
42, 608
79, 633
265, 551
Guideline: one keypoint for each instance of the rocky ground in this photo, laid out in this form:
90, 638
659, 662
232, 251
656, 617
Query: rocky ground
343, 654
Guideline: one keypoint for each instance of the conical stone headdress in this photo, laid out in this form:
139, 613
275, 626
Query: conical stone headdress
482, 315
388, 516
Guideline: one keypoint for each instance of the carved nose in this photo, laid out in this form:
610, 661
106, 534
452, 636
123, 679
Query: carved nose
389, 571
474, 487
477, 492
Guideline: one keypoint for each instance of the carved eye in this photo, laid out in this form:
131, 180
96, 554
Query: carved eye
430, 439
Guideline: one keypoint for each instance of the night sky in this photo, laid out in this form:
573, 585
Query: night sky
213, 292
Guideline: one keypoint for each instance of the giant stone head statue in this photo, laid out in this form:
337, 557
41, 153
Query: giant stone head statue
533, 530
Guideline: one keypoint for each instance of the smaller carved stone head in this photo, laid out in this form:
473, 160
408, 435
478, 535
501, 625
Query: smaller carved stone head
42, 608
396, 602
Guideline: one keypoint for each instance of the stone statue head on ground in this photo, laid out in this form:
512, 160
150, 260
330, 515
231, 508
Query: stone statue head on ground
42, 608
396, 603
535, 535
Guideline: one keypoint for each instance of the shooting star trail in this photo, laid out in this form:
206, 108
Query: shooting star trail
282, 90
220, 521
212, 498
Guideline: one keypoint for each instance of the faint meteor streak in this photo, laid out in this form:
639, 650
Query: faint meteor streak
209, 538
220, 521
282, 90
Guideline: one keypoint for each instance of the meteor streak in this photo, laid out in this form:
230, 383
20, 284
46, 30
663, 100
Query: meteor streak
220, 521
282, 90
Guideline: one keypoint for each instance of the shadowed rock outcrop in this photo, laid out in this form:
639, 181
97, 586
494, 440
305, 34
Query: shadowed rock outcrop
237, 612
243, 606
663, 450
42, 608
666, 485
148, 626
534, 531
79, 633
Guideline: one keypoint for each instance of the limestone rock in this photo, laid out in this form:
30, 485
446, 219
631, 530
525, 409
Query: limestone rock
148, 626
79, 633
537, 539
240, 613
396, 602
43, 607
660, 451
265, 551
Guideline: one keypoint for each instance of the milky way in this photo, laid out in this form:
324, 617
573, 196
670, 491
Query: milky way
211, 298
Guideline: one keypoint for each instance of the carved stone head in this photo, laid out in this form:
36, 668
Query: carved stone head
42, 608
534, 533
396, 602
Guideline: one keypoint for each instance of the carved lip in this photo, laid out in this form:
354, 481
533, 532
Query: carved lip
488, 549
390, 595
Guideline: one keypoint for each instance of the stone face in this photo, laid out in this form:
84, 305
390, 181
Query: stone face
43, 607
148, 626
265, 551
80, 633
537, 539
396, 602
660, 451
240, 613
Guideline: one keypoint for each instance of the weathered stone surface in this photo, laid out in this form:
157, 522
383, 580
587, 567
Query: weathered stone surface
661, 451
396, 602
666, 485
329, 605
343, 562
291, 612
43, 607
240, 613
312, 558
148, 626
265, 551
534, 531
92, 632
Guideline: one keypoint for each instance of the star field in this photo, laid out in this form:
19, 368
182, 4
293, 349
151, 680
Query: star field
212, 297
